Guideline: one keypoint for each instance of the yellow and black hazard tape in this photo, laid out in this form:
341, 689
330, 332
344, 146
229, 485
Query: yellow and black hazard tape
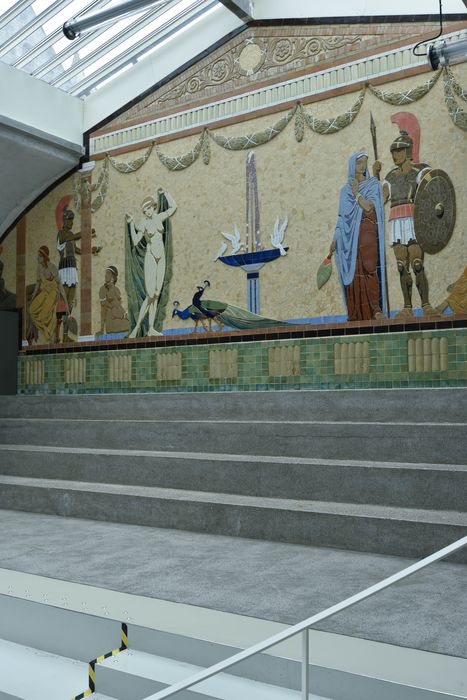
92, 664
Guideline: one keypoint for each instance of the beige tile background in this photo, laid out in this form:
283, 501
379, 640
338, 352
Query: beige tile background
301, 180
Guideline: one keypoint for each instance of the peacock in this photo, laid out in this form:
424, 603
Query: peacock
202, 310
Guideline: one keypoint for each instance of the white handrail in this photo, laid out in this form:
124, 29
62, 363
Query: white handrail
306, 624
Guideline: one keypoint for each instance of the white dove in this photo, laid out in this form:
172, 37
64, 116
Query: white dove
221, 251
234, 239
278, 236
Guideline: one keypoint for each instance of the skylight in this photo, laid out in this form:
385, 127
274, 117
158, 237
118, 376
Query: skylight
31, 39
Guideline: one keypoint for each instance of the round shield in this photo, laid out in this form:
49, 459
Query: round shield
435, 211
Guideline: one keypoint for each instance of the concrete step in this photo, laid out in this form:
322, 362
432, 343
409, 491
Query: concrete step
33, 674
426, 486
278, 671
135, 675
398, 531
394, 442
436, 405
55, 631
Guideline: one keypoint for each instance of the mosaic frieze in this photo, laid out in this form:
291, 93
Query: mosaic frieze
255, 58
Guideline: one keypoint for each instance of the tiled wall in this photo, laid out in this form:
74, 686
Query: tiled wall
422, 358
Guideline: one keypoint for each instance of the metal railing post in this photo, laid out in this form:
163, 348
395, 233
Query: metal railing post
305, 664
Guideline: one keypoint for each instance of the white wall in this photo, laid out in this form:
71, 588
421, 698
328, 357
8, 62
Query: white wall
36, 104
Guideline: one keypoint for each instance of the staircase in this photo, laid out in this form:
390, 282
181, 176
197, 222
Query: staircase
56, 667
371, 471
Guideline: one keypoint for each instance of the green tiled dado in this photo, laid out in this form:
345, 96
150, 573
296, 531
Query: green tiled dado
414, 359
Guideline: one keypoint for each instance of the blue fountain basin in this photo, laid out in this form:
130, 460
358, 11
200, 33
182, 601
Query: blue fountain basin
259, 257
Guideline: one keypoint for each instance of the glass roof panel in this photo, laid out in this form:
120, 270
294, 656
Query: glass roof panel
31, 37
32, 40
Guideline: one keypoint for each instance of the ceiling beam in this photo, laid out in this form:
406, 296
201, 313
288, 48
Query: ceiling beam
14, 11
31, 27
156, 67
137, 25
295, 9
242, 8
52, 38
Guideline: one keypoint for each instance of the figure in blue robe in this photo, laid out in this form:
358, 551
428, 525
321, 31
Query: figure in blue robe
359, 243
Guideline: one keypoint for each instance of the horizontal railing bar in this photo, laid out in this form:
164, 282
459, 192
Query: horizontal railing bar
305, 624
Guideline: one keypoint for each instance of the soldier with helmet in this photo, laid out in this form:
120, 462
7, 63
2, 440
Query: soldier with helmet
400, 187
67, 267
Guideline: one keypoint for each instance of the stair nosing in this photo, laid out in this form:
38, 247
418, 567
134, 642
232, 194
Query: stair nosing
224, 457
371, 511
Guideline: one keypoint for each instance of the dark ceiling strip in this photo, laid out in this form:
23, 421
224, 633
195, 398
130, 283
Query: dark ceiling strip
238, 7
374, 19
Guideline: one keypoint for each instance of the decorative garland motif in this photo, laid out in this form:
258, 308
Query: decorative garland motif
102, 183
299, 124
98, 201
458, 89
302, 117
206, 148
407, 96
242, 143
330, 126
457, 114
77, 192
133, 165
180, 162
100, 179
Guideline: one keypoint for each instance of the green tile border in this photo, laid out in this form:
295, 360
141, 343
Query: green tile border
388, 353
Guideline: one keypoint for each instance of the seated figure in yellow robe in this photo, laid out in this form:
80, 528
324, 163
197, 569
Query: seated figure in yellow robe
457, 299
48, 289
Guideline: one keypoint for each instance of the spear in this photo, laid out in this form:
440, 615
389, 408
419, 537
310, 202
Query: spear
375, 150
373, 136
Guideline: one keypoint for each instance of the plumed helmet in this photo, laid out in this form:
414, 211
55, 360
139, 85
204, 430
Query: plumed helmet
403, 141
68, 213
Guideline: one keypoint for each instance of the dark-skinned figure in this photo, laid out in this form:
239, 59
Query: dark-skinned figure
67, 267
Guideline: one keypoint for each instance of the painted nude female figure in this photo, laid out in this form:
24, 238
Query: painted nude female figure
151, 228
